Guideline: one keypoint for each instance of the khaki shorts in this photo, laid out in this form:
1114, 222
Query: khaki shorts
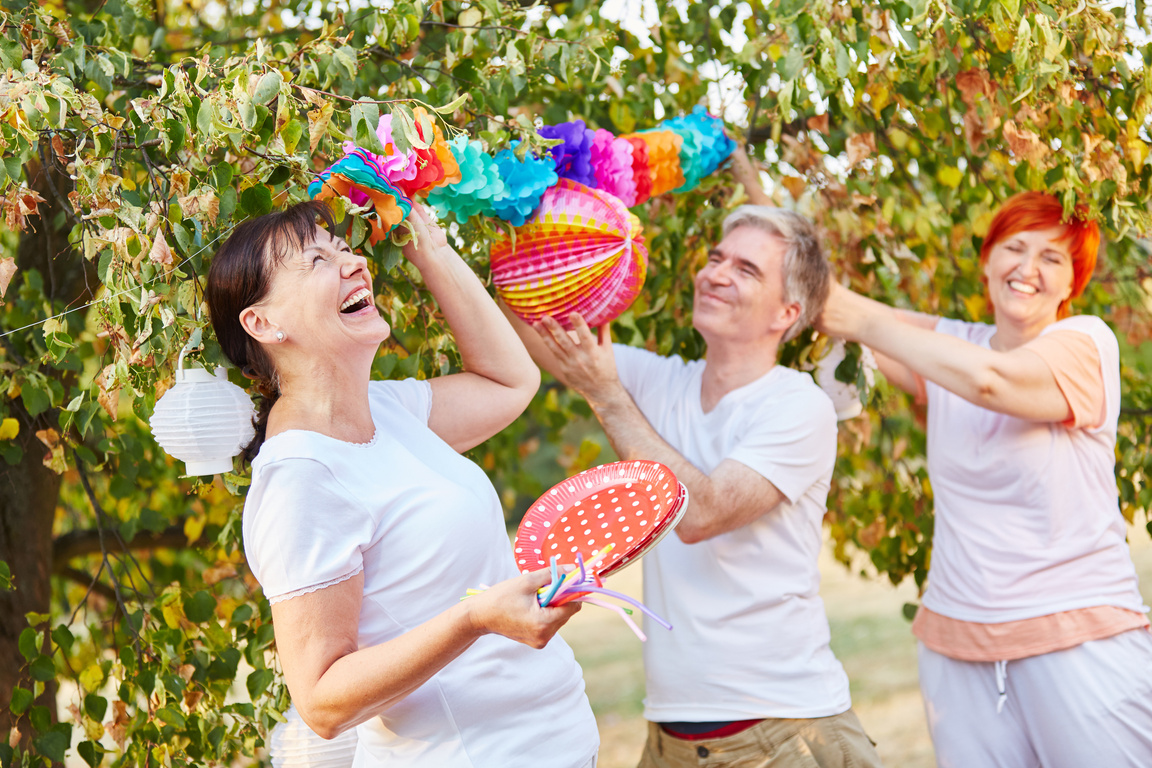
838, 741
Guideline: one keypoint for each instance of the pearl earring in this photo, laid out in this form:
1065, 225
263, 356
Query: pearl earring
279, 335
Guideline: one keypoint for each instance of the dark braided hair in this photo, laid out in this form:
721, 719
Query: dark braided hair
240, 276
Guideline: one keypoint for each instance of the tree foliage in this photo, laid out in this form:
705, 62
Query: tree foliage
136, 134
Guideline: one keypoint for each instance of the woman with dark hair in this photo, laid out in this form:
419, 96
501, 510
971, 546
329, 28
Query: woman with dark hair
365, 526
1034, 644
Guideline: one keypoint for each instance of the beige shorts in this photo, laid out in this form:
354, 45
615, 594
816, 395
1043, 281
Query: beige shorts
838, 741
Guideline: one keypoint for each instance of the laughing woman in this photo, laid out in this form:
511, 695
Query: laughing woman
1034, 644
365, 525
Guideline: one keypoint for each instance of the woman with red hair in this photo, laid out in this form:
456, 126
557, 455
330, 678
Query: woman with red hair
1034, 648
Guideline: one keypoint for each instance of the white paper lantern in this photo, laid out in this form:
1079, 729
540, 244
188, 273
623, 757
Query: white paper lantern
203, 420
845, 397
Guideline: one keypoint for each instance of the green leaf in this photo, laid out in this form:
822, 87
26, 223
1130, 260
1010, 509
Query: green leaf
222, 175
909, 610
91, 752
42, 669
279, 175
54, 744
171, 716
21, 699
258, 682
35, 400
62, 636
200, 607
204, 118
29, 643
291, 133
452, 106
95, 706
267, 87
256, 201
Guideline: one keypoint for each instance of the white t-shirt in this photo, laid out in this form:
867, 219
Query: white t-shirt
424, 524
750, 637
1027, 518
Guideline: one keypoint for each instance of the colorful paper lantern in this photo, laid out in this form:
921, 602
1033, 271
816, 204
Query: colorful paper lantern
581, 252
203, 420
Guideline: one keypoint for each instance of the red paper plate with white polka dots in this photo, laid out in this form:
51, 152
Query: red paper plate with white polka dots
631, 504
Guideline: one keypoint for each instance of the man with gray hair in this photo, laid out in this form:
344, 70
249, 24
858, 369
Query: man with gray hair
746, 677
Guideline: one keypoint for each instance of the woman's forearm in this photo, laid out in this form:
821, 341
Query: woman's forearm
488, 345
366, 682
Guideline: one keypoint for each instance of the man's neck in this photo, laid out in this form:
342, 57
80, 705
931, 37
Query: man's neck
729, 366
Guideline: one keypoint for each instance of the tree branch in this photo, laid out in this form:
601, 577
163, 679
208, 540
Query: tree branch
75, 544
87, 580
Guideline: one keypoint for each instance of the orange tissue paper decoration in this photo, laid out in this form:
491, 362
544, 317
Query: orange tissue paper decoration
663, 159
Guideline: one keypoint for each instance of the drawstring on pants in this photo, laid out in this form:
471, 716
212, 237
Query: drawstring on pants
1001, 684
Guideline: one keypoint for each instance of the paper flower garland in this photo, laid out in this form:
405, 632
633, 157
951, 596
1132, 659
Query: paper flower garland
479, 182
663, 159
458, 177
360, 178
581, 252
640, 173
574, 156
612, 165
524, 184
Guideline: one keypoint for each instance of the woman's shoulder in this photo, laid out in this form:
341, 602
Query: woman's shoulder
977, 333
1089, 324
411, 395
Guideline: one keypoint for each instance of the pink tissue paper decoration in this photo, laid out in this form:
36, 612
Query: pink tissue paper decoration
612, 164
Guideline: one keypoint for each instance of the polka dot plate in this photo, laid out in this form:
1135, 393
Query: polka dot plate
631, 504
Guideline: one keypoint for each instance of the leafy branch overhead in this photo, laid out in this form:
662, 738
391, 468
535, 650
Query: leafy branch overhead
134, 135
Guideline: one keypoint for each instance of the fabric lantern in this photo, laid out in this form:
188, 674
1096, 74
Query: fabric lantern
845, 397
582, 251
203, 420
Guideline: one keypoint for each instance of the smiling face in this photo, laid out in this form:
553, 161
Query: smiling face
1029, 274
740, 290
321, 300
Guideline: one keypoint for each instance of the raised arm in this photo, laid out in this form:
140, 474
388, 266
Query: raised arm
747, 175
336, 686
1015, 382
499, 378
732, 496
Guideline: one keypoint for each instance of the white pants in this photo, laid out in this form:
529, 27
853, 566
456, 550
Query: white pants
1083, 707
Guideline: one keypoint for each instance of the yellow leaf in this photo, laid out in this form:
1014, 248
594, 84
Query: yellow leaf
9, 428
193, 527
950, 176
318, 120
92, 677
975, 305
881, 97
172, 616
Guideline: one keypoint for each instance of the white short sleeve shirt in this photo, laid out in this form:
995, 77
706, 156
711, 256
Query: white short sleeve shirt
1028, 521
750, 636
424, 525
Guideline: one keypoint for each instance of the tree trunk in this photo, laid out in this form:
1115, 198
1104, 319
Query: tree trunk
29, 491
28, 495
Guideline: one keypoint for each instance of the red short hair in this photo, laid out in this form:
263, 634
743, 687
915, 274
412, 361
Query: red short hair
1028, 211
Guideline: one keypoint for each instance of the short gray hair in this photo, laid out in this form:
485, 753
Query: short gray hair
806, 268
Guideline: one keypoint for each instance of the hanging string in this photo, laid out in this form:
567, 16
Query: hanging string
121, 293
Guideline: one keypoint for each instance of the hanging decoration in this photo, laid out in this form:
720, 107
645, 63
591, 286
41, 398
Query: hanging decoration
581, 252
460, 178
204, 420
